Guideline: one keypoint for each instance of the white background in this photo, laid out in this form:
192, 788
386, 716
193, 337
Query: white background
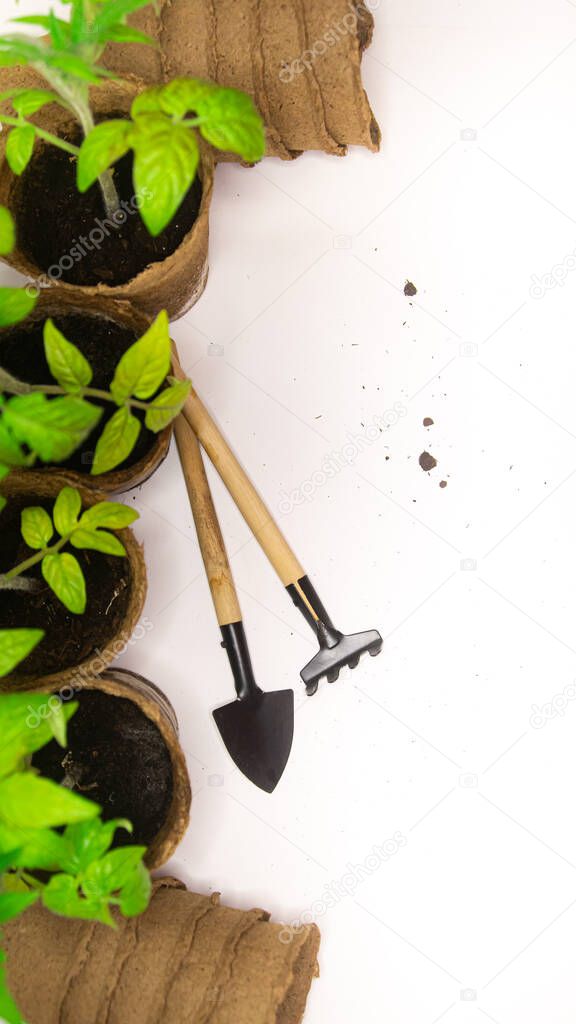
302, 337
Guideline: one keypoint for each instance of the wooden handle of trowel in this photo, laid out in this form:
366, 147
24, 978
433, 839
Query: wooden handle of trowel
207, 526
255, 512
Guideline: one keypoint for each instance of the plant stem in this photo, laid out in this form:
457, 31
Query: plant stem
55, 389
76, 99
54, 140
29, 563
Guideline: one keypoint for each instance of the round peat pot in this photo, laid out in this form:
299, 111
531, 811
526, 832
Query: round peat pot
102, 329
123, 752
65, 238
74, 647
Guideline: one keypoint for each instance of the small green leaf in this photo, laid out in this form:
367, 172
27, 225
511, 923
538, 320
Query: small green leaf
67, 364
148, 102
15, 645
143, 368
61, 896
51, 428
67, 508
101, 148
182, 95
116, 441
127, 34
9, 1013
37, 528
15, 305
112, 871
90, 840
27, 801
38, 847
165, 164
19, 147
7, 231
110, 514
30, 101
57, 723
230, 121
135, 894
97, 540
14, 903
11, 453
64, 576
73, 65
25, 726
167, 406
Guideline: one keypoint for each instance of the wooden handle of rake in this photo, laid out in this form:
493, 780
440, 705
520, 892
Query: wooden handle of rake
207, 526
242, 490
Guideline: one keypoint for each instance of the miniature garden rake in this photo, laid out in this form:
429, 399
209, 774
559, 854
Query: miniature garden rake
337, 650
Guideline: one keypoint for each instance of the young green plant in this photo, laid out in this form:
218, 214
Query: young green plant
52, 420
67, 58
46, 828
162, 133
48, 535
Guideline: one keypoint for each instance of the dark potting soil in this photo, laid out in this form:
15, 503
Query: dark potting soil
58, 227
69, 639
103, 343
116, 756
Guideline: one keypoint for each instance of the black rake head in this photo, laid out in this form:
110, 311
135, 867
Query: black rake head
336, 652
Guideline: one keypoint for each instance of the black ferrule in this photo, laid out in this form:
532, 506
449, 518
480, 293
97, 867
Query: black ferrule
236, 646
312, 600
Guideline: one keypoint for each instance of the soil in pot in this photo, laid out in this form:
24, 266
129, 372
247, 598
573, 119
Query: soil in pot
116, 756
59, 228
102, 342
69, 639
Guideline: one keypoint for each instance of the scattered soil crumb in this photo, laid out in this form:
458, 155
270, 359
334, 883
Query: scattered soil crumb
443, 483
427, 461
410, 289
428, 421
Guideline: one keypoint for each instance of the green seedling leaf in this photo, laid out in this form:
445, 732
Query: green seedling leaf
67, 508
19, 147
182, 95
127, 34
167, 406
37, 529
112, 872
97, 540
26, 725
61, 897
40, 848
144, 367
90, 840
27, 801
115, 11
67, 364
9, 1012
116, 441
101, 148
29, 101
15, 645
165, 164
53, 429
14, 903
15, 304
230, 121
11, 453
135, 894
110, 514
78, 68
148, 102
64, 576
7, 231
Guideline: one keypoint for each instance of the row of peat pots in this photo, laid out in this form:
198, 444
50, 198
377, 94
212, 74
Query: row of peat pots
122, 746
